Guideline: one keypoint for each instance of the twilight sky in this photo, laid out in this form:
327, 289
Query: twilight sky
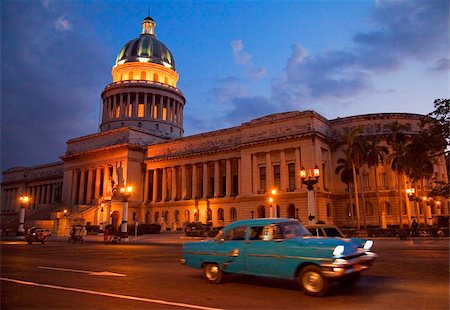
237, 60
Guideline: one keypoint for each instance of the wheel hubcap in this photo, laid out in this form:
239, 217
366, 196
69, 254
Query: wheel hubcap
312, 281
212, 272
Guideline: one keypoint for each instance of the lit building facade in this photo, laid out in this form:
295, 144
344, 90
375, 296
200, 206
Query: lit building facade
214, 177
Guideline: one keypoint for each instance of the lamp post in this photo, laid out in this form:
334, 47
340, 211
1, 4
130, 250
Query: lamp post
273, 205
100, 230
126, 193
309, 180
24, 199
410, 191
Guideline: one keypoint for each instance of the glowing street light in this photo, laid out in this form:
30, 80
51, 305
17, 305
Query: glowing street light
24, 200
273, 205
309, 180
126, 193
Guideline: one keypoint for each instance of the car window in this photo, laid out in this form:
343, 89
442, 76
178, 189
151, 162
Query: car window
256, 233
332, 232
237, 233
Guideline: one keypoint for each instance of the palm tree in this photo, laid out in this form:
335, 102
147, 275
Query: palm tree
376, 154
355, 156
398, 160
344, 169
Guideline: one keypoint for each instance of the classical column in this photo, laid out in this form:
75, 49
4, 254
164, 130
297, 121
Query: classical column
205, 180
174, 183
106, 180
216, 179
48, 194
283, 170
152, 108
98, 175
255, 174
183, 182
228, 177
269, 172
135, 106
33, 198
145, 107
155, 185
160, 107
297, 168
146, 186
38, 196
194, 182
121, 112
164, 184
169, 108
81, 192
89, 187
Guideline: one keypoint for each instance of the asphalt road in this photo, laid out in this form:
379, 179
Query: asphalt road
58, 275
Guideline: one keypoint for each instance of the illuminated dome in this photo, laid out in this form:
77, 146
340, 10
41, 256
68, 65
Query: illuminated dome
146, 48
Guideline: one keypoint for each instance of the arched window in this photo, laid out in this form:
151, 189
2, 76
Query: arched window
187, 216
147, 217
143, 76
156, 217
176, 216
233, 214
369, 208
291, 211
130, 75
166, 216
328, 210
220, 214
261, 211
208, 215
155, 77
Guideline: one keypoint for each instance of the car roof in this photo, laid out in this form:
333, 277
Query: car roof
260, 222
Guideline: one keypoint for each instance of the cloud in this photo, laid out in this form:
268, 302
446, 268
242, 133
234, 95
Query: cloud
406, 31
62, 24
250, 107
243, 58
53, 88
226, 89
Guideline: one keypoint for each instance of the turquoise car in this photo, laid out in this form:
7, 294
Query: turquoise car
279, 248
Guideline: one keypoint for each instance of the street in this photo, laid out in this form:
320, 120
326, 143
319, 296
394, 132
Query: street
58, 275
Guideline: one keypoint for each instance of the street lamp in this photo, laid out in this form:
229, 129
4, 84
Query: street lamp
24, 199
309, 180
100, 230
273, 206
126, 193
410, 192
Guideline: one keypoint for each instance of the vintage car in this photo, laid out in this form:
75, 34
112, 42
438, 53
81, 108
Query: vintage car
279, 248
329, 230
34, 235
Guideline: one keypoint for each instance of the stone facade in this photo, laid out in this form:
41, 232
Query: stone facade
215, 177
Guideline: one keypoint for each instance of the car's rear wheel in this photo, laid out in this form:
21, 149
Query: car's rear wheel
213, 274
313, 282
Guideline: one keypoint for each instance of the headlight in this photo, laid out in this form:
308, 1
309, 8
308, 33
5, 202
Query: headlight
368, 245
338, 251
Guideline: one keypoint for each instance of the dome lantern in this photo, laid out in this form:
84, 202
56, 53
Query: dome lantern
148, 26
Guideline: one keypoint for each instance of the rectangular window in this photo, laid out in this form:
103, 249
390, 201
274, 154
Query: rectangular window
130, 110
164, 112
291, 173
276, 176
382, 180
155, 111
262, 179
117, 111
365, 178
141, 110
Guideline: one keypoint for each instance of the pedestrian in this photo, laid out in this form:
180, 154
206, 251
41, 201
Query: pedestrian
105, 234
414, 227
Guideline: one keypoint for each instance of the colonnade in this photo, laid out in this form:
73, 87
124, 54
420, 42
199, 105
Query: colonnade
219, 178
137, 105
39, 194
91, 183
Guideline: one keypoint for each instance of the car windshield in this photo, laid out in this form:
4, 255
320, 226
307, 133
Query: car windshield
293, 229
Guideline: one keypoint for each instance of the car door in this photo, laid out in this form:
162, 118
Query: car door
230, 250
263, 253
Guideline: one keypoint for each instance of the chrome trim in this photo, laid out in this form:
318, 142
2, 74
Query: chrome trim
182, 261
289, 257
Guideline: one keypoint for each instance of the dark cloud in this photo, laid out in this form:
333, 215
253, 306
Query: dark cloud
406, 31
248, 108
52, 77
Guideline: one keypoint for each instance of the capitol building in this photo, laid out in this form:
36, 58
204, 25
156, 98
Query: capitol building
214, 177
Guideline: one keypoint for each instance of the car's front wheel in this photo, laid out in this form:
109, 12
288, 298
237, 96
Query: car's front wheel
313, 282
213, 274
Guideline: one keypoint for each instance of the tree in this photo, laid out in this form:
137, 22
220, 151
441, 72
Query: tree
355, 156
344, 169
376, 154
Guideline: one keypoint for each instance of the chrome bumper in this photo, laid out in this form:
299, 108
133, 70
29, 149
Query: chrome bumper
182, 261
341, 267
